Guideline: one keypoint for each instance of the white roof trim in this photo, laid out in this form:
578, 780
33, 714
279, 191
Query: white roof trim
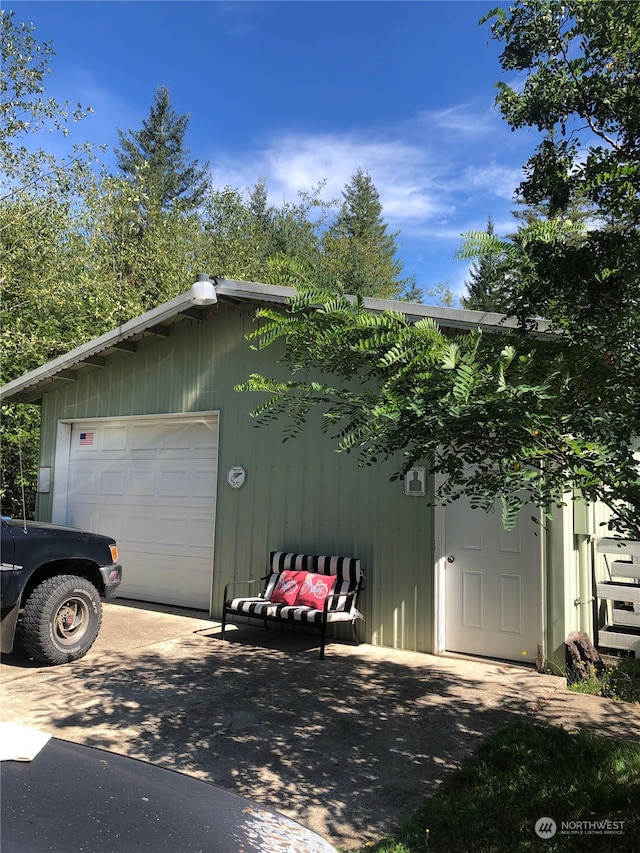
246, 291
457, 318
164, 312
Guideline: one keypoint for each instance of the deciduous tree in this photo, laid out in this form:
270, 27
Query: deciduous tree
544, 410
42, 272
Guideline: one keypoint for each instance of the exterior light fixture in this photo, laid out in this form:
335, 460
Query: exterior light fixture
203, 291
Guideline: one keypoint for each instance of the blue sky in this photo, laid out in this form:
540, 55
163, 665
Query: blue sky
303, 92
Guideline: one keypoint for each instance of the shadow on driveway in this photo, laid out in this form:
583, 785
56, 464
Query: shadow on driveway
349, 746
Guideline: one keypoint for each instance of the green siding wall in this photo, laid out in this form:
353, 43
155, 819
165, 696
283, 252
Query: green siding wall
299, 494
571, 561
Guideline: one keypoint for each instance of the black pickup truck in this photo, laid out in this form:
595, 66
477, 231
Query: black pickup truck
52, 580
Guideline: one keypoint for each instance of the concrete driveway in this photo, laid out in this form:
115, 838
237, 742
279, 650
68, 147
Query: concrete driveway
349, 746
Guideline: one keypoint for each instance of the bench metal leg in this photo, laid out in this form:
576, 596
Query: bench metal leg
323, 639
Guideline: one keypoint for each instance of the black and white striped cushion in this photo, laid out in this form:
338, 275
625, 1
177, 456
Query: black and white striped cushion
346, 569
287, 612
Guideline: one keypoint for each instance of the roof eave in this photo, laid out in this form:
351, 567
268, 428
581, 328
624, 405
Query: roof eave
22, 389
31, 386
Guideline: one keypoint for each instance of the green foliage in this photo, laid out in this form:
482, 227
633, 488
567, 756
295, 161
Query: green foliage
582, 60
488, 282
519, 774
42, 245
582, 63
576, 257
43, 237
519, 416
20, 436
582, 66
623, 681
24, 107
493, 414
155, 161
83, 251
139, 264
618, 681
359, 252
249, 239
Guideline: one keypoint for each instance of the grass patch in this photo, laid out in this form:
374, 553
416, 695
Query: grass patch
519, 774
619, 681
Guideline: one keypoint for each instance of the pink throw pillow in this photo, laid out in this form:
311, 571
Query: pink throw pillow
287, 587
315, 589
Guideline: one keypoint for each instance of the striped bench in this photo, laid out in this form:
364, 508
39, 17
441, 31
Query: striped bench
302, 589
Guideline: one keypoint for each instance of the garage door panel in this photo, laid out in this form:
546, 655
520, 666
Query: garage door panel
173, 583
113, 439
144, 436
179, 439
112, 482
171, 530
190, 504
203, 483
83, 520
138, 529
173, 484
200, 532
110, 524
106, 478
83, 482
161, 545
141, 484
151, 484
192, 436
95, 520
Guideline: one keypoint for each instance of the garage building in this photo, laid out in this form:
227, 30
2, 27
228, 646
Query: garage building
144, 438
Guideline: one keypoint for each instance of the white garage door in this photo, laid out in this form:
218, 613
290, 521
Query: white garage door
151, 484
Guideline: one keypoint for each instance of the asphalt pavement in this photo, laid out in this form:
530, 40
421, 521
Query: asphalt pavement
349, 746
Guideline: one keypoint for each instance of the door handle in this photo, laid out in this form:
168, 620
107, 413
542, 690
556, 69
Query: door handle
450, 559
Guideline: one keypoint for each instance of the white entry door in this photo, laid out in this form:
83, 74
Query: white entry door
150, 482
492, 597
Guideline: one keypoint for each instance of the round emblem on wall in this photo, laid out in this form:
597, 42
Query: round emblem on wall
236, 477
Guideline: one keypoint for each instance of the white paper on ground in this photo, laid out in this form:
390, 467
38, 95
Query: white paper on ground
20, 743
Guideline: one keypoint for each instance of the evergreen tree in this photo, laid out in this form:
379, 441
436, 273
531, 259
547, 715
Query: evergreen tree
578, 214
156, 162
357, 248
487, 288
413, 293
258, 203
246, 237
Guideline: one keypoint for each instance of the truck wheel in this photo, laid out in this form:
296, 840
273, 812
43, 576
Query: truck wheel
61, 619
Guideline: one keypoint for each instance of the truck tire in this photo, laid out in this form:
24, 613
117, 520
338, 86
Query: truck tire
61, 619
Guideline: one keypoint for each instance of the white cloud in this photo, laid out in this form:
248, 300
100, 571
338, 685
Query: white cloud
464, 119
500, 181
239, 18
399, 170
429, 171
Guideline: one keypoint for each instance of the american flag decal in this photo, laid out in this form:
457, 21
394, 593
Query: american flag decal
86, 439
